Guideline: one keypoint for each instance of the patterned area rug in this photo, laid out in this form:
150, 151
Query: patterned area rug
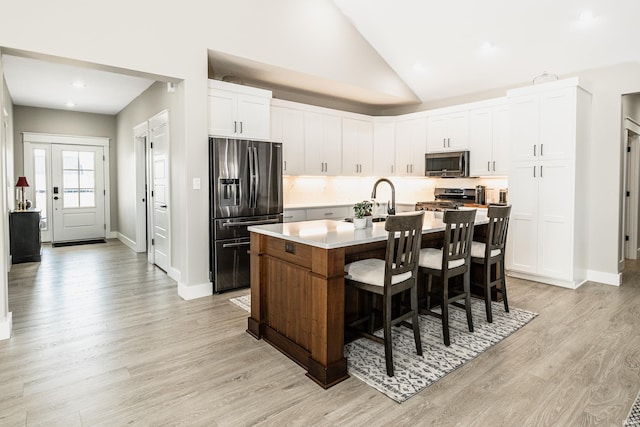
413, 373
633, 420
244, 302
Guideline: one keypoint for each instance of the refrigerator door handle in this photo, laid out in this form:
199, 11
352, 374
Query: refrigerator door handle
252, 175
235, 245
249, 223
256, 177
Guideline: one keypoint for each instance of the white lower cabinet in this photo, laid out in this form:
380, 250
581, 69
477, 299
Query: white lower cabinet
329, 212
548, 195
294, 215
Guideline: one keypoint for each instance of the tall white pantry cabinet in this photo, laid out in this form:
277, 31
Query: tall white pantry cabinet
549, 133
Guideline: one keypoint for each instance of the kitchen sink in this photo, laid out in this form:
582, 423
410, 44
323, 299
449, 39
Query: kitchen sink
374, 219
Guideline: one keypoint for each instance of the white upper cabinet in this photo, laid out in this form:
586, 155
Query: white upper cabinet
323, 144
543, 125
287, 126
357, 147
384, 148
448, 132
488, 141
411, 141
237, 111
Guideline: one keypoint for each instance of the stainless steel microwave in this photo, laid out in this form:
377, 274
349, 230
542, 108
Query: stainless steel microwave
452, 164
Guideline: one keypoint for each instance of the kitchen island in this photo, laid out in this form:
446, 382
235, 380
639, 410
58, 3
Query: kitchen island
298, 299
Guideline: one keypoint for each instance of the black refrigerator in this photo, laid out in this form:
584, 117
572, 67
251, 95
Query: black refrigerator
245, 188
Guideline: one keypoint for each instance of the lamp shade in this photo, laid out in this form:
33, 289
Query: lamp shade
22, 182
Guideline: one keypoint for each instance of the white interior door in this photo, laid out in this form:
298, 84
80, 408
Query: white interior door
160, 221
78, 192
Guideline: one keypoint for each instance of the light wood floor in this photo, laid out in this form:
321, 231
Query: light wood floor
102, 338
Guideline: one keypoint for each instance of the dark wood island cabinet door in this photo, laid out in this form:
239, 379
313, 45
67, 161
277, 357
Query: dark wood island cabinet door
24, 231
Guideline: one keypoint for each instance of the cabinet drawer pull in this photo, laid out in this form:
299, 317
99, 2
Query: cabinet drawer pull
235, 127
328, 214
494, 165
488, 166
542, 149
534, 150
534, 171
240, 127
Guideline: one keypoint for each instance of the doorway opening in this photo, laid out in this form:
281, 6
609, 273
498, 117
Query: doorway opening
153, 222
69, 178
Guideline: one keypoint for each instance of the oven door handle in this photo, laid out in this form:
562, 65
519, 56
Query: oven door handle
235, 245
245, 223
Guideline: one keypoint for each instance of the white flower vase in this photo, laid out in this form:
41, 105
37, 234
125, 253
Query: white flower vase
360, 223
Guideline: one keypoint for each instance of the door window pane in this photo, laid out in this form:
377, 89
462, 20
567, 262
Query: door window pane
69, 160
70, 198
40, 184
78, 179
87, 198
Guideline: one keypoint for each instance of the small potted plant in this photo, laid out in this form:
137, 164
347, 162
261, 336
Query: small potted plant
361, 210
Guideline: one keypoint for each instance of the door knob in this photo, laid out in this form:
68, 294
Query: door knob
163, 206
56, 198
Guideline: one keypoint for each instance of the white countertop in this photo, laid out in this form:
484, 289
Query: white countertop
330, 234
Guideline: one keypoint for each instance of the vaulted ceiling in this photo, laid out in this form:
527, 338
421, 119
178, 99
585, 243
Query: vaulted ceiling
429, 50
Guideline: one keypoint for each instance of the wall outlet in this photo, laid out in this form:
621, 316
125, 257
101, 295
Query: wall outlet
196, 183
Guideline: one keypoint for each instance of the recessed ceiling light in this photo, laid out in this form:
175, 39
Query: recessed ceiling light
70, 104
79, 84
586, 16
487, 46
419, 67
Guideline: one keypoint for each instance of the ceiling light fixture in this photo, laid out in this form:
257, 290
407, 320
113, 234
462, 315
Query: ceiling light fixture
487, 46
70, 104
79, 84
586, 16
419, 67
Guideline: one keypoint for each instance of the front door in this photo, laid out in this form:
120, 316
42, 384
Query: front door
78, 196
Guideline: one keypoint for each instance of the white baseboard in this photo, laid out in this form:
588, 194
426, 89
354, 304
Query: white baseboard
5, 327
195, 291
548, 280
127, 241
112, 235
614, 279
175, 274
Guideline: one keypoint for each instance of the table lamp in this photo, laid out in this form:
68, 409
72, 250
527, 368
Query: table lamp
22, 182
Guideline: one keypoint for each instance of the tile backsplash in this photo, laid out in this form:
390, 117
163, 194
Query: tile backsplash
320, 190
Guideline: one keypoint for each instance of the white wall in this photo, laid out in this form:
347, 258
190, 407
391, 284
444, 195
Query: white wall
152, 101
7, 196
606, 163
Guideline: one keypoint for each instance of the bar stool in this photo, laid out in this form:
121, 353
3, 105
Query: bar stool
454, 259
492, 252
390, 276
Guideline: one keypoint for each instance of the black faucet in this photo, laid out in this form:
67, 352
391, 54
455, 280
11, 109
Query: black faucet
391, 210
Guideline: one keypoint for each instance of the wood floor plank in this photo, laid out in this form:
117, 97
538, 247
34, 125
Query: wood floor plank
100, 337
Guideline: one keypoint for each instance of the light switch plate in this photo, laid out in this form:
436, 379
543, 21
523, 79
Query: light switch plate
196, 183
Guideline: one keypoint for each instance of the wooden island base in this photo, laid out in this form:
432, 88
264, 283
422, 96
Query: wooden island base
298, 302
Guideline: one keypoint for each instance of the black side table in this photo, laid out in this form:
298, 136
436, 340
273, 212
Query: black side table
24, 232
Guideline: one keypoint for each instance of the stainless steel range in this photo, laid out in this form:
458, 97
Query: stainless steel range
448, 198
